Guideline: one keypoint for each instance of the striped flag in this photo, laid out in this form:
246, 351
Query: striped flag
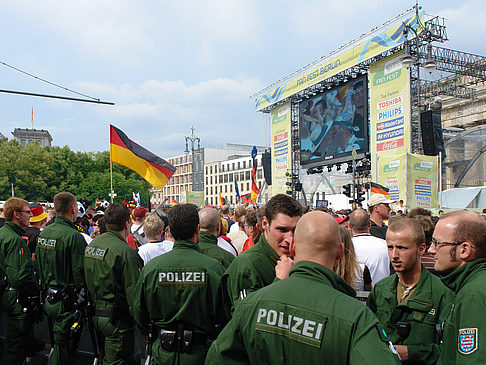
254, 188
126, 152
221, 199
379, 189
237, 191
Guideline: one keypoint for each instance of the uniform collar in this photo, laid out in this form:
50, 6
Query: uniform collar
116, 234
317, 272
267, 249
63, 220
185, 244
456, 279
15, 227
208, 238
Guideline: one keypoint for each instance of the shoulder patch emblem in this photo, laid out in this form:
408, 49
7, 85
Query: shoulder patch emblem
467, 340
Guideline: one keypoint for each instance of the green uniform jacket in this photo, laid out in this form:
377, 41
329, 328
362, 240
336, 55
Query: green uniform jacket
465, 327
428, 305
60, 255
181, 286
16, 259
111, 269
208, 245
250, 271
309, 318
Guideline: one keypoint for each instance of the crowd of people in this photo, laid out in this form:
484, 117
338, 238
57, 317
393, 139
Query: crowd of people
275, 285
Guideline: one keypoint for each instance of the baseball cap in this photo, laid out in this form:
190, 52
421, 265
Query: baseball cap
38, 212
376, 199
139, 212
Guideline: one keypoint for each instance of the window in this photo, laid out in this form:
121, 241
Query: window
207, 191
247, 175
259, 174
248, 186
220, 179
211, 180
231, 177
206, 180
231, 199
211, 190
231, 188
238, 165
206, 170
226, 188
244, 164
242, 176
215, 169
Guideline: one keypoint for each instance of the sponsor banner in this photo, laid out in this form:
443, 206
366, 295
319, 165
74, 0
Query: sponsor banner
393, 175
391, 37
422, 172
193, 197
389, 110
281, 158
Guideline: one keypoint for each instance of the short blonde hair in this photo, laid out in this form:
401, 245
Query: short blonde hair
13, 204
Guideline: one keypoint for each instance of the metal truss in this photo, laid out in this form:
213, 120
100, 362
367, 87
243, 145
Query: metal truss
295, 142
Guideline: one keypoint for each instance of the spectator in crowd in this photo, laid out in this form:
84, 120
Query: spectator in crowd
441, 213
255, 268
394, 219
428, 227
357, 275
379, 208
370, 250
240, 211
225, 212
411, 303
37, 223
256, 223
419, 211
179, 294
288, 322
223, 241
51, 214
459, 248
251, 221
239, 237
154, 228
2, 216
139, 214
209, 223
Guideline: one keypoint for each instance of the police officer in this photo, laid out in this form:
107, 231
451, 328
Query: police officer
311, 317
59, 256
459, 249
411, 303
210, 222
111, 270
178, 295
17, 283
255, 268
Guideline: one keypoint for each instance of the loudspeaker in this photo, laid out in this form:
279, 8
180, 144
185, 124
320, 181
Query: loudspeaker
267, 167
431, 128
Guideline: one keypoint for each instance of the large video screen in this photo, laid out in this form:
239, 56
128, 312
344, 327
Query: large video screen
332, 122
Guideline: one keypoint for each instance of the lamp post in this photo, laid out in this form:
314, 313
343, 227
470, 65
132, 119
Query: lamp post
192, 138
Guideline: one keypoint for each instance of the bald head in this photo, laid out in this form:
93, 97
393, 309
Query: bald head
209, 219
359, 221
467, 226
317, 239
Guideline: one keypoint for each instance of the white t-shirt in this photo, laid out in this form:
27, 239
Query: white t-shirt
238, 239
153, 249
225, 245
372, 252
134, 228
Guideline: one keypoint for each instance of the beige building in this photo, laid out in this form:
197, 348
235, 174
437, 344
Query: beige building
27, 136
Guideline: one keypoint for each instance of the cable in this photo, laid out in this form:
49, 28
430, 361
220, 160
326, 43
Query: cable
48, 82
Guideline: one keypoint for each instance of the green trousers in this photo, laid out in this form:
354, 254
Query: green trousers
20, 330
116, 340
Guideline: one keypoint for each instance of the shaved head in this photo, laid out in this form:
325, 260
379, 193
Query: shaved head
317, 239
209, 219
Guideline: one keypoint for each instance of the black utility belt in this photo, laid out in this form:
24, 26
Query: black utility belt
181, 340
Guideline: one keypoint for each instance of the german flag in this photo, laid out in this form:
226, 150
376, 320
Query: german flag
379, 189
152, 168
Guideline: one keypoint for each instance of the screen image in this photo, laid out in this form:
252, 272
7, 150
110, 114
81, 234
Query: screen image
331, 123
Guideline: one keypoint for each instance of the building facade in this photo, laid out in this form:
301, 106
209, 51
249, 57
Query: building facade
27, 136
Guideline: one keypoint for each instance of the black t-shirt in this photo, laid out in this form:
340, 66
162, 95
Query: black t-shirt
2, 222
32, 233
378, 231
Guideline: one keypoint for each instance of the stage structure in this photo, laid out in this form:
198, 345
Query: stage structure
363, 101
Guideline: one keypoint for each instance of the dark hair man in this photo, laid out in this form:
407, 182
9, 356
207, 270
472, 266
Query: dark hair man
255, 268
37, 222
411, 303
210, 222
311, 317
459, 248
17, 269
379, 208
111, 271
178, 295
60, 261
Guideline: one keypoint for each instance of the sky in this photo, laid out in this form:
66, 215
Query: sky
172, 65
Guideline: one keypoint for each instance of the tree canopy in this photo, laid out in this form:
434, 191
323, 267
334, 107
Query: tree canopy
37, 174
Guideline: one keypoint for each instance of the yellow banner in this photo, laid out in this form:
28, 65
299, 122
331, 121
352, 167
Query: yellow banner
281, 149
391, 38
393, 175
389, 109
193, 197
